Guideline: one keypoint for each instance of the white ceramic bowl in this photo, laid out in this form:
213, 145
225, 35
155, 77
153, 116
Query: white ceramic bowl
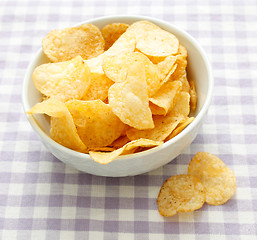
198, 68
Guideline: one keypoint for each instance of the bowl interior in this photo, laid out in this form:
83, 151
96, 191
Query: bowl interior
198, 69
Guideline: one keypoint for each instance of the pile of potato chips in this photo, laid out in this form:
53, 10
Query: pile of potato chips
118, 90
208, 180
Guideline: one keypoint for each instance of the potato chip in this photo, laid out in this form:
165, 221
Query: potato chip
97, 125
152, 40
102, 149
218, 180
180, 193
100, 83
163, 126
64, 80
185, 83
129, 99
181, 67
157, 43
156, 110
50, 107
180, 128
166, 65
116, 68
139, 27
166, 95
120, 142
98, 88
193, 95
182, 106
169, 76
63, 45
63, 129
107, 157
182, 51
125, 44
112, 32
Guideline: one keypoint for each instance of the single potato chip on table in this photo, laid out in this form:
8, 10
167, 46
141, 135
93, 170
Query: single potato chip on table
180, 193
62, 45
218, 180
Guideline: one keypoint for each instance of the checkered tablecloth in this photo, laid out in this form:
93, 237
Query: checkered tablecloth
41, 198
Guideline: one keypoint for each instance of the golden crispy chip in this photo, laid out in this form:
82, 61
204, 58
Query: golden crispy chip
97, 125
157, 43
62, 45
154, 59
120, 142
181, 67
218, 180
185, 83
166, 65
63, 129
100, 83
112, 32
102, 149
180, 128
98, 88
107, 157
152, 40
64, 80
50, 107
193, 95
125, 44
182, 51
169, 76
129, 99
156, 110
180, 193
116, 68
163, 126
139, 27
166, 95
182, 105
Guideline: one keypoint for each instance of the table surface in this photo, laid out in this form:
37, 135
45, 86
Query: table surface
41, 198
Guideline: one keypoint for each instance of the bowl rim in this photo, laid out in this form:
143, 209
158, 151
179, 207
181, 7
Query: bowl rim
41, 133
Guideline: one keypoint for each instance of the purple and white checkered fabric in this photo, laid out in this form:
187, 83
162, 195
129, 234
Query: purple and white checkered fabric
41, 198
